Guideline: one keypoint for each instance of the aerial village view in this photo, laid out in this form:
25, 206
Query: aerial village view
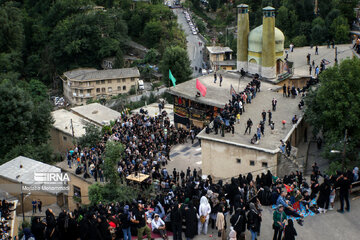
179, 119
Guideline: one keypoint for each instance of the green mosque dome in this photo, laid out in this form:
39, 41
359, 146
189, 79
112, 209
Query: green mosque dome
255, 40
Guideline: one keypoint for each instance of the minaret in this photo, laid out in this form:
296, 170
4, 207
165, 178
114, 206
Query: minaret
268, 62
242, 37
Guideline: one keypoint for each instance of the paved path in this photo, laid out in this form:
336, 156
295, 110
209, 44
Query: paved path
185, 155
193, 47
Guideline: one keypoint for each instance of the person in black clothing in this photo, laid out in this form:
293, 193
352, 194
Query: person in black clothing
270, 116
190, 220
249, 124
188, 171
125, 222
324, 196
38, 228
284, 90
290, 232
176, 221
238, 222
182, 175
263, 114
194, 173
344, 183
140, 220
50, 225
254, 220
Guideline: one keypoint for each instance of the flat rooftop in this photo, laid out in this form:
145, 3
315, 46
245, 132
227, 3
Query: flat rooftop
216, 96
298, 56
25, 173
96, 113
63, 119
285, 110
218, 49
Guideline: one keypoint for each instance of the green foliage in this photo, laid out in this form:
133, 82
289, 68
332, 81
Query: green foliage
113, 154
299, 41
11, 27
318, 31
91, 137
153, 32
132, 90
214, 4
177, 60
22, 119
111, 193
42, 153
106, 129
152, 56
340, 30
81, 40
335, 105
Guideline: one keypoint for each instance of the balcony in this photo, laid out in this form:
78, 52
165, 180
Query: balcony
75, 85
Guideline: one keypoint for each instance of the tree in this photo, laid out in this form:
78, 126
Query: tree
23, 121
299, 41
177, 60
335, 106
91, 137
83, 40
340, 30
152, 33
113, 154
318, 31
214, 4
11, 27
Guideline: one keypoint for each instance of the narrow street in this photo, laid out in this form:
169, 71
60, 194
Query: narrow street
193, 47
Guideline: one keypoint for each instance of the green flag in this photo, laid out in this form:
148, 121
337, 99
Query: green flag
172, 78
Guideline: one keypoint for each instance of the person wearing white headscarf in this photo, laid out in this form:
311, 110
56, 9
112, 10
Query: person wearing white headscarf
204, 210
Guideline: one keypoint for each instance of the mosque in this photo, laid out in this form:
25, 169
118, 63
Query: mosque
261, 50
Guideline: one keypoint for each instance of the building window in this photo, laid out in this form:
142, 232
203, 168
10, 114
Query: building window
118, 81
97, 82
238, 160
103, 89
64, 138
102, 81
89, 91
132, 79
109, 81
124, 88
77, 193
81, 100
265, 164
252, 163
81, 91
124, 80
98, 90
109, 89
119, 88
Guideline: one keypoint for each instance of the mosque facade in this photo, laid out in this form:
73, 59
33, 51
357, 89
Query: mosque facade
261, 50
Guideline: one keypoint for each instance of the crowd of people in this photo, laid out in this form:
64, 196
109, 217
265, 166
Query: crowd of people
147, 142
5, 211
193, 204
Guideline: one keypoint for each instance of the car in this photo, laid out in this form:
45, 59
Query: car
191, 24
194, 32
141, 85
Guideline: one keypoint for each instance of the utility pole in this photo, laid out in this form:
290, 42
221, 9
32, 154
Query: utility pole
336, 53
72, 128
344, 152
22, 202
